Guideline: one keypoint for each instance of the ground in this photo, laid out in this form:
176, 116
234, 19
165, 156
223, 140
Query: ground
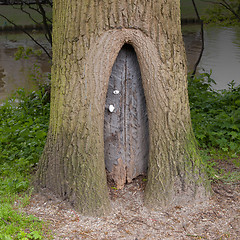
217, 218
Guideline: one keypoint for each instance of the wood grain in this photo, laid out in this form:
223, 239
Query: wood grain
126, 136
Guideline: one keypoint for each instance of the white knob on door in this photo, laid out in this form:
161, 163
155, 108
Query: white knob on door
111, 108
116, 92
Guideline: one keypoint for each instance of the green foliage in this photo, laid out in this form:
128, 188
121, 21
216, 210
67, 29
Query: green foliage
23, 129
216, 123
17, 225
25, 53
218, 13
215, 114
220, 167
210, 166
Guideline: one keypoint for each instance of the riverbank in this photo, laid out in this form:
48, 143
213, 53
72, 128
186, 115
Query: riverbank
23, 21
20, 18
188, 12
19, 28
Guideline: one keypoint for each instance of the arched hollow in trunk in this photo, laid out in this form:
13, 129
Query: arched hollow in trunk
126, 137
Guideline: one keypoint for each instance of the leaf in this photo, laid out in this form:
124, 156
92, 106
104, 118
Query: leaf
35, 235
233, 146
5, 237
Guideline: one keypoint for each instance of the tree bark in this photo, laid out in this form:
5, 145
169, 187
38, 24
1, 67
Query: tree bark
87, 37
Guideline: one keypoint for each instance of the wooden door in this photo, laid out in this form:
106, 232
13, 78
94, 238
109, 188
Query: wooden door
125, 124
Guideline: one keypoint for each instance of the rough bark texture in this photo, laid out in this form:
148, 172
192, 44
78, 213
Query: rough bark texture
87, 37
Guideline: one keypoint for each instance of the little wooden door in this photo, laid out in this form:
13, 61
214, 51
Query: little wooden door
126, 135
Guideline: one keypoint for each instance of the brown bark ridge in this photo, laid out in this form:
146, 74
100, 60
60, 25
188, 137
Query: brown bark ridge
87, 37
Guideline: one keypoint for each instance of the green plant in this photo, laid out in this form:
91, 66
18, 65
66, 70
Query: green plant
23, 129
215, 114
35, 74
210, 166
17, 225
223, 12
25, 53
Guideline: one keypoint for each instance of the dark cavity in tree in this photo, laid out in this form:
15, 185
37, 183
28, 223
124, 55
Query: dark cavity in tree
126, 133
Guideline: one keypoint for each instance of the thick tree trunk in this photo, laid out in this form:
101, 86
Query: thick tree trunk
87, 37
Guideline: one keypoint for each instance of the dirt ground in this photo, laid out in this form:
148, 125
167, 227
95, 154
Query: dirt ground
218, 218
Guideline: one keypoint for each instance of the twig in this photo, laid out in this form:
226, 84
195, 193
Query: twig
44, 49
46, 27
202, 38
50, 3
136, 220
195, 236
29, 15
225, 5
39, 11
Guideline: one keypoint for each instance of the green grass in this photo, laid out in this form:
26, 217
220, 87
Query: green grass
23, 129
15, 224
18, 17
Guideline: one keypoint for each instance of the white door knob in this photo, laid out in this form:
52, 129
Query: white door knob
116, 92
111, 108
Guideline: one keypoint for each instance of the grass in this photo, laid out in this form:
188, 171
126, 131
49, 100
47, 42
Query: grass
23, 129
17, 225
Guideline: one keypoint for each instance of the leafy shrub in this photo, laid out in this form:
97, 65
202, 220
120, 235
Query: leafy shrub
16, 225
220, 14
23, 129
215, 114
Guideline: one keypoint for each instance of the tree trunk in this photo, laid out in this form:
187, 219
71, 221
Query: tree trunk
87, 37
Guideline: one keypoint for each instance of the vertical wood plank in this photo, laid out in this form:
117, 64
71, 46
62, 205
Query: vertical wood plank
126, 128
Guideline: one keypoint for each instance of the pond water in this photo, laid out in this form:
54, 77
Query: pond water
19, 74
221, 52
221, 55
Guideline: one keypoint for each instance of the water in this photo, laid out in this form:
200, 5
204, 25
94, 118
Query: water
221, 55
221, 52
18, 74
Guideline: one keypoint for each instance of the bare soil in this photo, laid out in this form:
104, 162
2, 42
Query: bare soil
217, 218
